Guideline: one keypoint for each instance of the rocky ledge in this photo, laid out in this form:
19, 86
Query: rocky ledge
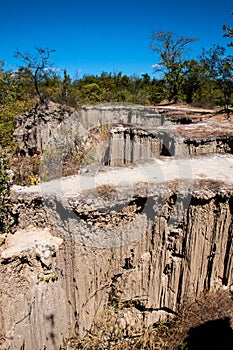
122, 237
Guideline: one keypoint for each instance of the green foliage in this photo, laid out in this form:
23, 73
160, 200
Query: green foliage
14, 99
8, 121
67, 92
218, 69
228, 33
171, 52
47, 279
5, 218
117, 88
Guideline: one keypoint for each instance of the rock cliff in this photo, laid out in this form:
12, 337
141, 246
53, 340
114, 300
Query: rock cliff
35, 127
145, 237
149, 252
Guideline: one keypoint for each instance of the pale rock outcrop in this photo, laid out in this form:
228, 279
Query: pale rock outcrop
168, 247
158, 238
34, 128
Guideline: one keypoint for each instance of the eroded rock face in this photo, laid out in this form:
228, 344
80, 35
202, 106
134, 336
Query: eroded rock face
94, 116
130, 144
147, 238
35, 127
137, 133
150, 262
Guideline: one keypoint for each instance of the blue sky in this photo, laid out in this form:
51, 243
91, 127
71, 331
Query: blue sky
94, 36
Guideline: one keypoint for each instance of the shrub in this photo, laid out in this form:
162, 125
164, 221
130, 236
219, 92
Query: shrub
5, 218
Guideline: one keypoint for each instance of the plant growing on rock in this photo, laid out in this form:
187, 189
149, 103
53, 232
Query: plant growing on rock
195, 327
5, 218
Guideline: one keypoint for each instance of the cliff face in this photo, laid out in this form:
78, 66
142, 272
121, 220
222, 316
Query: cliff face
179, 133
147, 236
149, 254
129, 144
34, 128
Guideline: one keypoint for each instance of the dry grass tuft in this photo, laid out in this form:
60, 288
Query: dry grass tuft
215, 309
106, 191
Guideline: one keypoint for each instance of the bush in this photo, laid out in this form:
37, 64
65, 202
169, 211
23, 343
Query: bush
5, 205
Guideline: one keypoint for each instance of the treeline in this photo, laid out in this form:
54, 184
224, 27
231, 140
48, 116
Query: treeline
204, 81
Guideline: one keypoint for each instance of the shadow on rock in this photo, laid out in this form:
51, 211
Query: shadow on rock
214, 335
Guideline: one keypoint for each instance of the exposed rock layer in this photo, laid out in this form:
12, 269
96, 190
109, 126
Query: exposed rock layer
130, 145
148, 249
175, 250
141, 133
34, 128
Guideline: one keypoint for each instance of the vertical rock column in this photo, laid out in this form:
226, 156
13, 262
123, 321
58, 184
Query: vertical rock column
117, 147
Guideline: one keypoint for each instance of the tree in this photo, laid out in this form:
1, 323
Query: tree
68, 92
171, 52
218, 67
229, 32
66, 85
193, 79
38, 65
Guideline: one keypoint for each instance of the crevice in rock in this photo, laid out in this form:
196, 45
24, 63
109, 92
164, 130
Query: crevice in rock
113, 215
184, 120
210, 264
142, 308
180, 284
229, 248
113, 297
128, 264
178, 255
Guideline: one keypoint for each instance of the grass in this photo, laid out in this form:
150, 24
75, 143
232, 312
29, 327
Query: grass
110, 331
106, 191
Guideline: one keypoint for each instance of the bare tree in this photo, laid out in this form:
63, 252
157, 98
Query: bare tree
38, 65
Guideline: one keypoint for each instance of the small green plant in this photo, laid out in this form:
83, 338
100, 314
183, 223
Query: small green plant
5, 203
48, 279
3, 239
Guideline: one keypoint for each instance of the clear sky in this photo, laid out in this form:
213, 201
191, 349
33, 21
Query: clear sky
95, 36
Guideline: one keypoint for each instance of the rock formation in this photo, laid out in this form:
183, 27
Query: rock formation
35, 127
146, 236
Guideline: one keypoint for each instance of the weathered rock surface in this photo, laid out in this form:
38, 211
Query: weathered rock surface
133, 115
147, 236
149, 250
140, 133
35, 127
130, 145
